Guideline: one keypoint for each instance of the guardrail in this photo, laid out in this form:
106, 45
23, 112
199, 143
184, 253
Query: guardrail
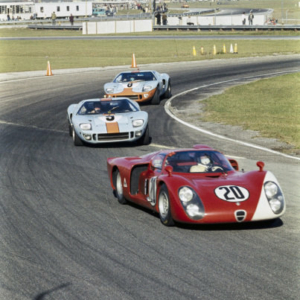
226, 27
76, 20
183, 27
55, 27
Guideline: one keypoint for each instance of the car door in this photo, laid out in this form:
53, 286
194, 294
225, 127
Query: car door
150, 179
160, 82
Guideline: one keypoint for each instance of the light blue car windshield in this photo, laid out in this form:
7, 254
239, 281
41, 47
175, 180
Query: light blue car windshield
135, 76
106, 107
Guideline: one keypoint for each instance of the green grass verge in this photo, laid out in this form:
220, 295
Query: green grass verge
17, 55
270, 106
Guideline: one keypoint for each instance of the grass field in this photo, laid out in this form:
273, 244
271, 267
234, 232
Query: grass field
270, 106
22, 55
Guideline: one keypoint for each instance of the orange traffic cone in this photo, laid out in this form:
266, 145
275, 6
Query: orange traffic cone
49, 72
133, 64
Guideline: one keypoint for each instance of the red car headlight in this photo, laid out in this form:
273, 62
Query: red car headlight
191, 203
274, 196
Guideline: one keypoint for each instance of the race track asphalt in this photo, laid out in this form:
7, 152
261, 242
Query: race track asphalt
64, 235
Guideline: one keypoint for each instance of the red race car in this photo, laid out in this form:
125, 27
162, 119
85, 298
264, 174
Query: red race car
198, 185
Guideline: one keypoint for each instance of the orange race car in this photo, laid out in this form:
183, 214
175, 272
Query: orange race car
141, 86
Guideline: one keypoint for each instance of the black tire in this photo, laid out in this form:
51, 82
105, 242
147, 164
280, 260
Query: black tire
76, 139
145, 139
156, 98
70, 128
164, 207
119, 187
168, 93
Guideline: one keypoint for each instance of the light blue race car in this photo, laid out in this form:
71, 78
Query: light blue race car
141, 86
108, 120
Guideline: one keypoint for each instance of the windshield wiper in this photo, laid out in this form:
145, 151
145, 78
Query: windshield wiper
109, 112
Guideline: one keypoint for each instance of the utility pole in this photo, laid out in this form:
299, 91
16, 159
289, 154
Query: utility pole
86, 8
281, 11
153, 12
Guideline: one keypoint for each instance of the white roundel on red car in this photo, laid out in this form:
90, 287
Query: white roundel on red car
232, 193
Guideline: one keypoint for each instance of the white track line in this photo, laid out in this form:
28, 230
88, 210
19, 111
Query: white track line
31, 126
161, 146
168, 104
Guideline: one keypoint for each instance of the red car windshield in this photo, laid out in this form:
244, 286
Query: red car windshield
198, 162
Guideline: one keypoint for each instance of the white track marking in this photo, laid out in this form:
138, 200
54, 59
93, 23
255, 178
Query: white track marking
31, 126
161, 146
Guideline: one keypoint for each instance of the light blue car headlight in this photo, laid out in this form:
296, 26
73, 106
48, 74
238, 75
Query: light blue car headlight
85, 126
274, 196
109, 90
137, 123
147, 88
191, 203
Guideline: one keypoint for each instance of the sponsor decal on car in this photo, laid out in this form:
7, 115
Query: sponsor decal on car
232, 193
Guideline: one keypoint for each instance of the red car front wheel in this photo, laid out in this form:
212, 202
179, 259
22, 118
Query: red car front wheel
164, 207
119, 188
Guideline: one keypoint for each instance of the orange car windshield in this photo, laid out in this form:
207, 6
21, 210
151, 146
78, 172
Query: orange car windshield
136, 76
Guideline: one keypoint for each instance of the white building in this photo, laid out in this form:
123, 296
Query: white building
44, 10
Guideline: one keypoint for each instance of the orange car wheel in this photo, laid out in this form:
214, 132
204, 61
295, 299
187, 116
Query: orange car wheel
156, 98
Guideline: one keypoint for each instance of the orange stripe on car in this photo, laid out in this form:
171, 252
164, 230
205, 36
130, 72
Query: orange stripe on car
127, 92
112, 127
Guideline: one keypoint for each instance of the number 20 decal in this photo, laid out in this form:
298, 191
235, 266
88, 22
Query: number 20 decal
232, 193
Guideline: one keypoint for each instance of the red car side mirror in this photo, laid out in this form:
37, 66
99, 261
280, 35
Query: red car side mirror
261, 165
169, 170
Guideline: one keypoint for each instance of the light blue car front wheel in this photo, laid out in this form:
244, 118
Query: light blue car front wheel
145, 139
76, 139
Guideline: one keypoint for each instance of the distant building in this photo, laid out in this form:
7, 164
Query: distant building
26, 10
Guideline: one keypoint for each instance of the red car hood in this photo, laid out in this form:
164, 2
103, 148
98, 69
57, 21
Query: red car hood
225, 193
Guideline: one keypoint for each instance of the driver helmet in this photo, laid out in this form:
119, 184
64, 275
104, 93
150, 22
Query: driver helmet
205, 160
97, 108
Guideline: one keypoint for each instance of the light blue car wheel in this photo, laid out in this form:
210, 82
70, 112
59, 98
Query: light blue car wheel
76, 139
